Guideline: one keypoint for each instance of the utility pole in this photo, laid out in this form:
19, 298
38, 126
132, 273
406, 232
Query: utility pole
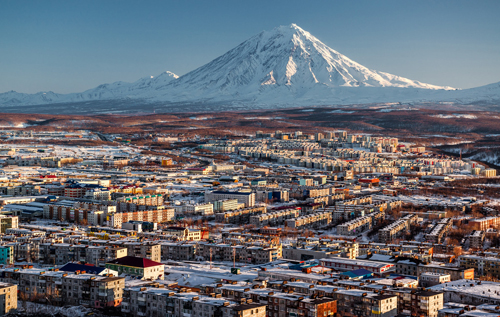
234, 257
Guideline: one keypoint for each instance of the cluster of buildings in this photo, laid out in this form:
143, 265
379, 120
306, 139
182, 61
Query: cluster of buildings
283, 224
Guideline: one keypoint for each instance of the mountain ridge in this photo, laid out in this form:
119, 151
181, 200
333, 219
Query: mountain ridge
286, 65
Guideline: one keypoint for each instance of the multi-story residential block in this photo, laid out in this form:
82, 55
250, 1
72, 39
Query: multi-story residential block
274, 218
8, 222
8, 298
358, 303
430, 279
243, 198
160, 215
159, 302
484, 223
396, 229
100, 255
93, 291
316, 220
79, 288
98, 194
178, 251
130, 203
6, 255
138, 267
469, 292
149, 250
225, 205
439, 230
205, 209
482, 265
476, 239
239, 216
255, 254
343, 264
184, 234
359, 225
456, 273
342, 249
271, 194
61, 253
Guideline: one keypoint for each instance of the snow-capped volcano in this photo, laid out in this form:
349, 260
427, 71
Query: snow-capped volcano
286, 66
288, 55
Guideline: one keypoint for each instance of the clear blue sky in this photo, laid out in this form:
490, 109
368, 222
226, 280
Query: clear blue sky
69, 46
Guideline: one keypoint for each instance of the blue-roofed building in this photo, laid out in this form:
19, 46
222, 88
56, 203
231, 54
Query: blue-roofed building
90, 269
358, 274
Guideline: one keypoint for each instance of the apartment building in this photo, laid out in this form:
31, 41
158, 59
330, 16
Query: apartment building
61, 253
6, 255
343, 250
456, 273
428, 279
148, 200
205, 209
285, 303
184, 234
243, 198
439, 231
358, 303
396, 229
342, 264
274, 218
482, 265
239, 216
300, 305
272, 194
476, 239
178, 251
359, 225
470, 292
257, 253
225, 205
93, 291
159, 215
99, 255
8, 222
157, 301
148, 249
138, 267
484, 223
8, 298
316, 220
77, 288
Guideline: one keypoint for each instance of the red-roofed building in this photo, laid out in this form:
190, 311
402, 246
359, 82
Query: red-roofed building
138, 267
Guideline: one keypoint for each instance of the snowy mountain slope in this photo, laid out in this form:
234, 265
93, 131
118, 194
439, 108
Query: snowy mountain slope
116, 90
286, 66
289, 56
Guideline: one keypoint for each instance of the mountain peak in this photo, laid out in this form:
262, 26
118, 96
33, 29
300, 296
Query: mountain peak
286, 56
289, 31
